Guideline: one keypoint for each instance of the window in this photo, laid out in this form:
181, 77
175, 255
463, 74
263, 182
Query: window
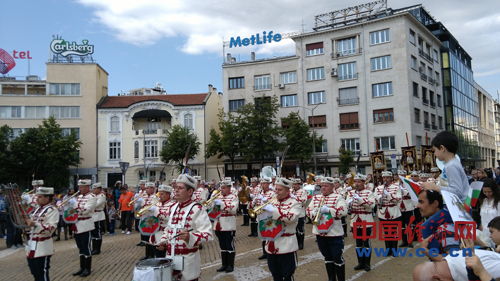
413, 62
65, 89
417, 115
431, 97
351, 144
188, 121
348, 96
426, 117
349, 121
164, 144
151, 148
382, 90
287, 101
383, 115
10, 112
69, 131
438, 99
114, 150
422, 67
323, 148
34, 111
424, 95
415, 89
234, 105
433, 122
440, 120
429, 72
259, 102
152, 176
288, 77
316, 97
437, 77
436, 55
347, 46
315, 74
115, 124
262, 82
381, 63
317, 121
347, 71
419, 142
412, 37
17, 132
378, 37
314, 49
385, 143
136, 149
237, 83
428, 49
64, 111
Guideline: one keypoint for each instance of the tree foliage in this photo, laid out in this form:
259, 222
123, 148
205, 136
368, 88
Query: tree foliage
177, 143
346, 158
6, 165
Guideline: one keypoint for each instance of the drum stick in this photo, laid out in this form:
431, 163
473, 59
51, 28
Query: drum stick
179, 234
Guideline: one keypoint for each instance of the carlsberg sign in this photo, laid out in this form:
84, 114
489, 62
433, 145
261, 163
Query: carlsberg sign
65, 48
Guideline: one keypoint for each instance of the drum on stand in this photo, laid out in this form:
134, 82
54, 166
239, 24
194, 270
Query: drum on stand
153, 270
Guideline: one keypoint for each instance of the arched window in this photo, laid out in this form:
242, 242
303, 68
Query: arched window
136, 149
115, 124
188, 121
164, 144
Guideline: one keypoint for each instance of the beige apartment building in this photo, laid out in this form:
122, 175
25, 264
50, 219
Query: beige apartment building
487, 135
364, 85
70, 93
133, 128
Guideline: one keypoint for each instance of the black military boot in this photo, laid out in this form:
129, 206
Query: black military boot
230, 262
88, 266
367, 261
344, 226
330, 270
96, 247
224, 256
361, 261
340, 271
245, 220
264, 255
394, 248
405, 240
252, 227
82, 265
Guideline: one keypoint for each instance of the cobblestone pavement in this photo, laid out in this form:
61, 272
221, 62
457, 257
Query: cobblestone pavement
120, 254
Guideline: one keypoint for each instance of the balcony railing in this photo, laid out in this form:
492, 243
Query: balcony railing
425, 55
348, 76
262, 87
434, 127
427, 125
425, 101
347, 53
348, 101
431, 81
433, 104
423, 76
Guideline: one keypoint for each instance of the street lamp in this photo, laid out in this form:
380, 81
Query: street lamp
314, 134
144, 144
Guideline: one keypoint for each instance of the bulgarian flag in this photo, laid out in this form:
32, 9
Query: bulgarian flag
412, 187
474, 191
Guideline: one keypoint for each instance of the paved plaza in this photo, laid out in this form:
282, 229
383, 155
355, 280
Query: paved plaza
120, 254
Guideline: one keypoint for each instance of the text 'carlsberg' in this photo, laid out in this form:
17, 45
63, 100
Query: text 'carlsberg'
255, 39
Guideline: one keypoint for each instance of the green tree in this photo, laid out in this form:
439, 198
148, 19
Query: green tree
299, 137
177, 143
346, 157
6, 164
259, 131
47, 154
226, 143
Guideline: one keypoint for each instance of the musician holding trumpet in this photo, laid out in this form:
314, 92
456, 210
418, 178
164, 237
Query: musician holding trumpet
147, 200
265, 194
326, 210
162, 212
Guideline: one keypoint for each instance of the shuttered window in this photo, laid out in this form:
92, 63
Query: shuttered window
349, 121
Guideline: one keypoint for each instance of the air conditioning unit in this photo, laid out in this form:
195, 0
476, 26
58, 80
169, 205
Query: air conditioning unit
339, 55
334, 72
281, 86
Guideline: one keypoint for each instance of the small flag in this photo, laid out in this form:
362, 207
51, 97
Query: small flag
474, 191
412, 187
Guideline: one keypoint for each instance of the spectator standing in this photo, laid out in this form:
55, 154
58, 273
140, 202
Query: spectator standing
489, 202
14, 238
497, 175
117, 192
125, 210
474, 176
113, 214
3, 217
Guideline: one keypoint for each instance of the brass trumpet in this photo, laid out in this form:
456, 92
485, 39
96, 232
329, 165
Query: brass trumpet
67, 199
310, 178
132, 202
258, 210
215, 195
27, 193
318, 213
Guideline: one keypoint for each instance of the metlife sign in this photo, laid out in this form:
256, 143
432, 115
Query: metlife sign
256, 39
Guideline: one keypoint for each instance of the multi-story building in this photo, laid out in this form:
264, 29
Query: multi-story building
369, 83
70, 94
496, 112
486, 128
133, 129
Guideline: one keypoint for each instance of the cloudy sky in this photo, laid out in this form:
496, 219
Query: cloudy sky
179, 43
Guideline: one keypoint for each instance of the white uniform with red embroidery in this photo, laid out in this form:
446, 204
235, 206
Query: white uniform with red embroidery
84, 206
227, 219
200, 195
147, 199
407, 204
187, 216
301, 197
98, 214
269, 194
390, 208
362, 207
163, 213
32, 203
46, 218
337, 207
255, 191
287, 211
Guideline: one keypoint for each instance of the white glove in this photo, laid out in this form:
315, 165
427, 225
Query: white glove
349, 202
72, 201
293, 196
356, 196
26, 198
152, 209
271, 187
136, 195
314, 212
386, 193
324, 209
264, 200
140, 201
349, 188
268, 208
380, 197
260, 196
218, 202
252, 196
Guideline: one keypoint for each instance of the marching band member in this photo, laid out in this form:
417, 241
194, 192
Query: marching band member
407, 207
142, 202
362, 201
97, 217
337, 188
388, 197
142, 188
84, 205
329, 234
163, 213
282, 252
31, 199
254, 192
414, 176
300, 195
190, 222
201, 193
435, 174
265, 194
142, 192
43, 223
225, 225
244, 197
423, 178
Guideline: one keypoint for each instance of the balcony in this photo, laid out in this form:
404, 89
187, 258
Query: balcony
423, 76
348, 76
434, 127
348, 101
262, 87
431, 81
424, 55
433, 104
427, 126
347, 53
425, 101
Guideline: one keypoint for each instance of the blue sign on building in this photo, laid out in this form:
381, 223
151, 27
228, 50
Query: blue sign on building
255, 39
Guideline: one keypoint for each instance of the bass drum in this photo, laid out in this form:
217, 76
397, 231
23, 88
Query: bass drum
153, 270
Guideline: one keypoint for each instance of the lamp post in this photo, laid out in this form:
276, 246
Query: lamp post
144, 143
314, 134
